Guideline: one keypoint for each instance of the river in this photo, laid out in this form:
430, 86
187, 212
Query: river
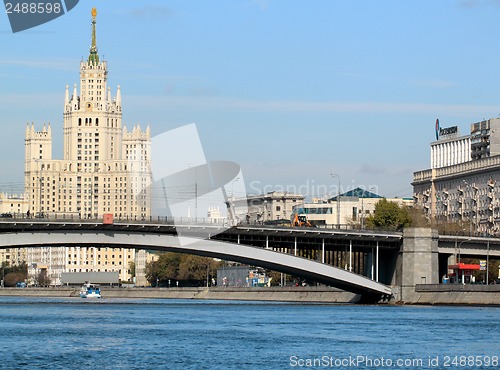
72, 333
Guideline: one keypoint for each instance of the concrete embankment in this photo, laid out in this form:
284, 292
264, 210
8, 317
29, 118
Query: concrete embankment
455, 294
424, 294
283, 294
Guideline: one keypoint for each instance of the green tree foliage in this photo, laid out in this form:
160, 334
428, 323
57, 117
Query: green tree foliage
131, 268
195, 267
165, 268
276, 277
14, 274
21, 268
43, 278
180, 267
389, 216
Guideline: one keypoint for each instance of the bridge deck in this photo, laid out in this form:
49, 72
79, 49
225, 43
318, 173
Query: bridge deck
191, 240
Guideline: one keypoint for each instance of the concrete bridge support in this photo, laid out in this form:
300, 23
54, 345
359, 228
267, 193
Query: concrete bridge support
418, 262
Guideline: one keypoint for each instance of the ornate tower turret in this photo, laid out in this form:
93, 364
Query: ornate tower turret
94, 116
93, 57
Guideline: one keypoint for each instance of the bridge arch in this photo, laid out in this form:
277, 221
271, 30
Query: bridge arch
277, 261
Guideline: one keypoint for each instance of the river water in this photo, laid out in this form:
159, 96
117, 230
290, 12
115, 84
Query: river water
72, 333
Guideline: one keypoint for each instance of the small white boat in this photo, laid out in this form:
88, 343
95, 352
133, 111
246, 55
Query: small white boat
90, 291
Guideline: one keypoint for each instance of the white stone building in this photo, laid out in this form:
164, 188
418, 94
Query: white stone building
271, 207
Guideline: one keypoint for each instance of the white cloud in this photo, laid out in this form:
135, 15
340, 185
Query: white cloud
219, 103
262, 4
40, 99
435, 84
227, 103
58, 64
152, 11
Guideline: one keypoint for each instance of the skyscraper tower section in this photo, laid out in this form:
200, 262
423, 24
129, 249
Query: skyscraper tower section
105, 170
105, 167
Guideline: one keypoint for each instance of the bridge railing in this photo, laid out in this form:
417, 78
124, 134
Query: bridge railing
9, 217
342, 227
168, 220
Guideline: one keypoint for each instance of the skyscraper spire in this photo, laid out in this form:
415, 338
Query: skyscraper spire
118, 96
66, 96
93, 57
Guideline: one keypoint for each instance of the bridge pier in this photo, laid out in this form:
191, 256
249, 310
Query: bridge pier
418, 262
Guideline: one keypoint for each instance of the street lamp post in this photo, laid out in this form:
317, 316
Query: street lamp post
459, 246
231, 205
208, 266
232, 188
338, 200
487, 262
195, 193
363, 208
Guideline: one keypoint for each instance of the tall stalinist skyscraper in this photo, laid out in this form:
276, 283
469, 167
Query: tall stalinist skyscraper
105, 168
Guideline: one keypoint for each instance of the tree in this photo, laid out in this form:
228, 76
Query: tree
14, 274
389, 216
175, 266
443, 225
195, 267
43, 278
12, 278
165, 268
418, 218
275, 277
131, 268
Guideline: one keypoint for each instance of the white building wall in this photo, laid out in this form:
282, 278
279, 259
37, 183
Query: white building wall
450, 152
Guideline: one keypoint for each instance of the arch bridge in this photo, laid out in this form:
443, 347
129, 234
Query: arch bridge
280, 249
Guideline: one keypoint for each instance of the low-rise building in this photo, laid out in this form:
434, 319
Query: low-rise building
349, 209
16, 206
264, 208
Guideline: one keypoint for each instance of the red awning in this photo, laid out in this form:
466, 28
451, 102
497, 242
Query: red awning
464, 266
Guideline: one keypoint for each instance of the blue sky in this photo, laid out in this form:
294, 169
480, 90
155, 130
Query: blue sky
291, 90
